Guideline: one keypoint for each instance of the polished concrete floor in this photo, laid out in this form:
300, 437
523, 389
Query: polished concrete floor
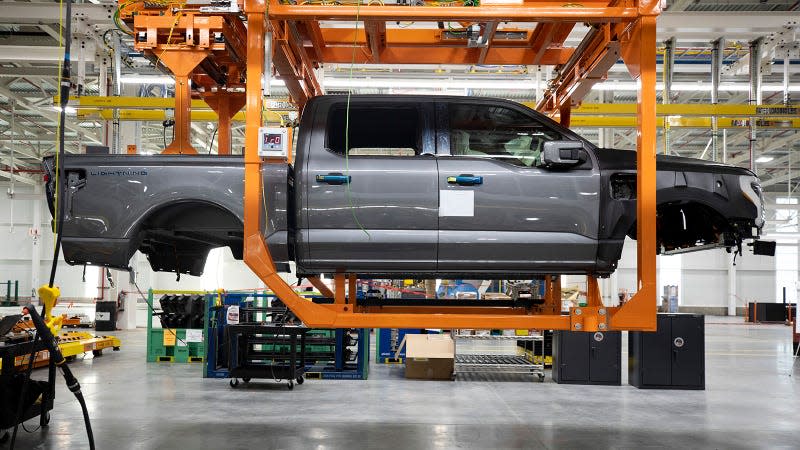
752, 400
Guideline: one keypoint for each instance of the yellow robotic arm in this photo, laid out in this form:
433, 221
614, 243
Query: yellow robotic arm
49, 296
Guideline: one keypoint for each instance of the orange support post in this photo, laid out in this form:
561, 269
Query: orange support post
226, 105
351, 288
182, 62
638, 53
321, 287
338, 288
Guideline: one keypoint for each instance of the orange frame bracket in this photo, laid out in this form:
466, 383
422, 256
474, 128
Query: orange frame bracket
631, 29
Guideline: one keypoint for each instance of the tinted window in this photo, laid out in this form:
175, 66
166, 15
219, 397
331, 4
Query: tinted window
497, 132
375, 130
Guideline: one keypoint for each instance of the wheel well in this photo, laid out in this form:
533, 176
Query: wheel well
178, 236
686, 224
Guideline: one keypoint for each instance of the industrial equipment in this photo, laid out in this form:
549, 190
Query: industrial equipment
330, 353
182, 316
673, 357
211, 47
105, 316
387, 344
489, 359
587, 358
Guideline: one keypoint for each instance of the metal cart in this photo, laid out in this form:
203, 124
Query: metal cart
8, 353
266, 352
487, 361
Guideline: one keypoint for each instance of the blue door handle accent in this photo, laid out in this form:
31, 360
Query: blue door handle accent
465, 180
333, 178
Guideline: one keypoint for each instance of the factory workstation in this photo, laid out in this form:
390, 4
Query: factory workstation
412, 224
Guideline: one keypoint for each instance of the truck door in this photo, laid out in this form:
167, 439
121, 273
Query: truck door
498, 211
371, 188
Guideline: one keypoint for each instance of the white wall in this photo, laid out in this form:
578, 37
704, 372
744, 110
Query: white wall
704, 276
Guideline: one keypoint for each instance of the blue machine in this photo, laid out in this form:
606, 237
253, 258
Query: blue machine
335, 354
388, 340
451, 291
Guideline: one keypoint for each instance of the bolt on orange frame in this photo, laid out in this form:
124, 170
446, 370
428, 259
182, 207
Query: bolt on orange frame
628, 27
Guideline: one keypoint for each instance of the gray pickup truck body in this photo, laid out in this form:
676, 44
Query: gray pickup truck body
403, 212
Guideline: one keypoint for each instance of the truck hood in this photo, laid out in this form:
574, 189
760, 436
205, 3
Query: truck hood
612, 159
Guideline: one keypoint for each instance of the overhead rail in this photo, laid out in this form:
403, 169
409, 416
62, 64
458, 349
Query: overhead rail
612, 115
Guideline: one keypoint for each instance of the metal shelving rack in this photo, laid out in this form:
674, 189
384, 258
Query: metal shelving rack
497, 363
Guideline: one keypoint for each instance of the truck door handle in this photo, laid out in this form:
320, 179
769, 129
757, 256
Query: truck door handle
465, 180
333, 178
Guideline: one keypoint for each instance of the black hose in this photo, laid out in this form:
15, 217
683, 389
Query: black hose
86, 420
66, 74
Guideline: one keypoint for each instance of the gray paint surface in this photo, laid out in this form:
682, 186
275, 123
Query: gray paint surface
387, 221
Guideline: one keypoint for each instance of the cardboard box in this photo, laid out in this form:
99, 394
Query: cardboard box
430, 356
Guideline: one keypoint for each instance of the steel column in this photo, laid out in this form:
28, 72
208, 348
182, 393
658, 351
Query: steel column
666, 96
640, 312
755, 95
717, 54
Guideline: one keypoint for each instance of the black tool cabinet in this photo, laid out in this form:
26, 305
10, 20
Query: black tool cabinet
587, 358
673, 357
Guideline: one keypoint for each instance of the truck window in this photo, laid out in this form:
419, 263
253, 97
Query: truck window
497, 132
375, 130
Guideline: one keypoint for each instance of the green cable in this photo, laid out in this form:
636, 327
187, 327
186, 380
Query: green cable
347, 131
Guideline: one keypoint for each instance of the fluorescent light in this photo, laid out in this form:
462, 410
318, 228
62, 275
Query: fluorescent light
68, 109
691, 87
430, 83
764, 159
146, 79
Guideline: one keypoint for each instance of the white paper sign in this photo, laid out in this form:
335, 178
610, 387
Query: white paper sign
233, 315
456, 203
102, 316
194, 335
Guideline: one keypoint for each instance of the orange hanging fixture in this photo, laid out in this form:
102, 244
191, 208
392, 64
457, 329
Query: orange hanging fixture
199, 43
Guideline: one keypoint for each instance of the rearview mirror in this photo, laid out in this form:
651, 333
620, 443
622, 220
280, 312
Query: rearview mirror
561, 154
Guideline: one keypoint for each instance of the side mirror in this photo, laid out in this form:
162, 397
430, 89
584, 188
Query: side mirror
561, 154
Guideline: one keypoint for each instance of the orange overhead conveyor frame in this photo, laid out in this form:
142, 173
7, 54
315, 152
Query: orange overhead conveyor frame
625, 29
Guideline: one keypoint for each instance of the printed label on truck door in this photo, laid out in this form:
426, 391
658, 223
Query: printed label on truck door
456, 203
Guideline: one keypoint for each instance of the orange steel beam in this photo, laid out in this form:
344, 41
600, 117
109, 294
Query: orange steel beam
376, 38
338, 288
351, 288
638, 51
500, 13
182, 63
321, 287
487, 37
445, 55
445, 310
226, 105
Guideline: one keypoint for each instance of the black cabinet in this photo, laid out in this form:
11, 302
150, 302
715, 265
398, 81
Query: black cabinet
105, 316
768, 312
587, 358
673, 357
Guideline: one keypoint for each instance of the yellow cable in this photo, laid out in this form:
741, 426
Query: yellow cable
58, 123
172, 28
348, 190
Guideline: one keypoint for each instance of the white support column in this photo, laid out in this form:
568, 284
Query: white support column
36, 241
731, 286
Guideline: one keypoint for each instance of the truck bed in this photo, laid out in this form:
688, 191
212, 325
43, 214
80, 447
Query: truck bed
175, 209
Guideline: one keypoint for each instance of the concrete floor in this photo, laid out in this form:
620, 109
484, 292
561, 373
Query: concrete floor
752, 400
